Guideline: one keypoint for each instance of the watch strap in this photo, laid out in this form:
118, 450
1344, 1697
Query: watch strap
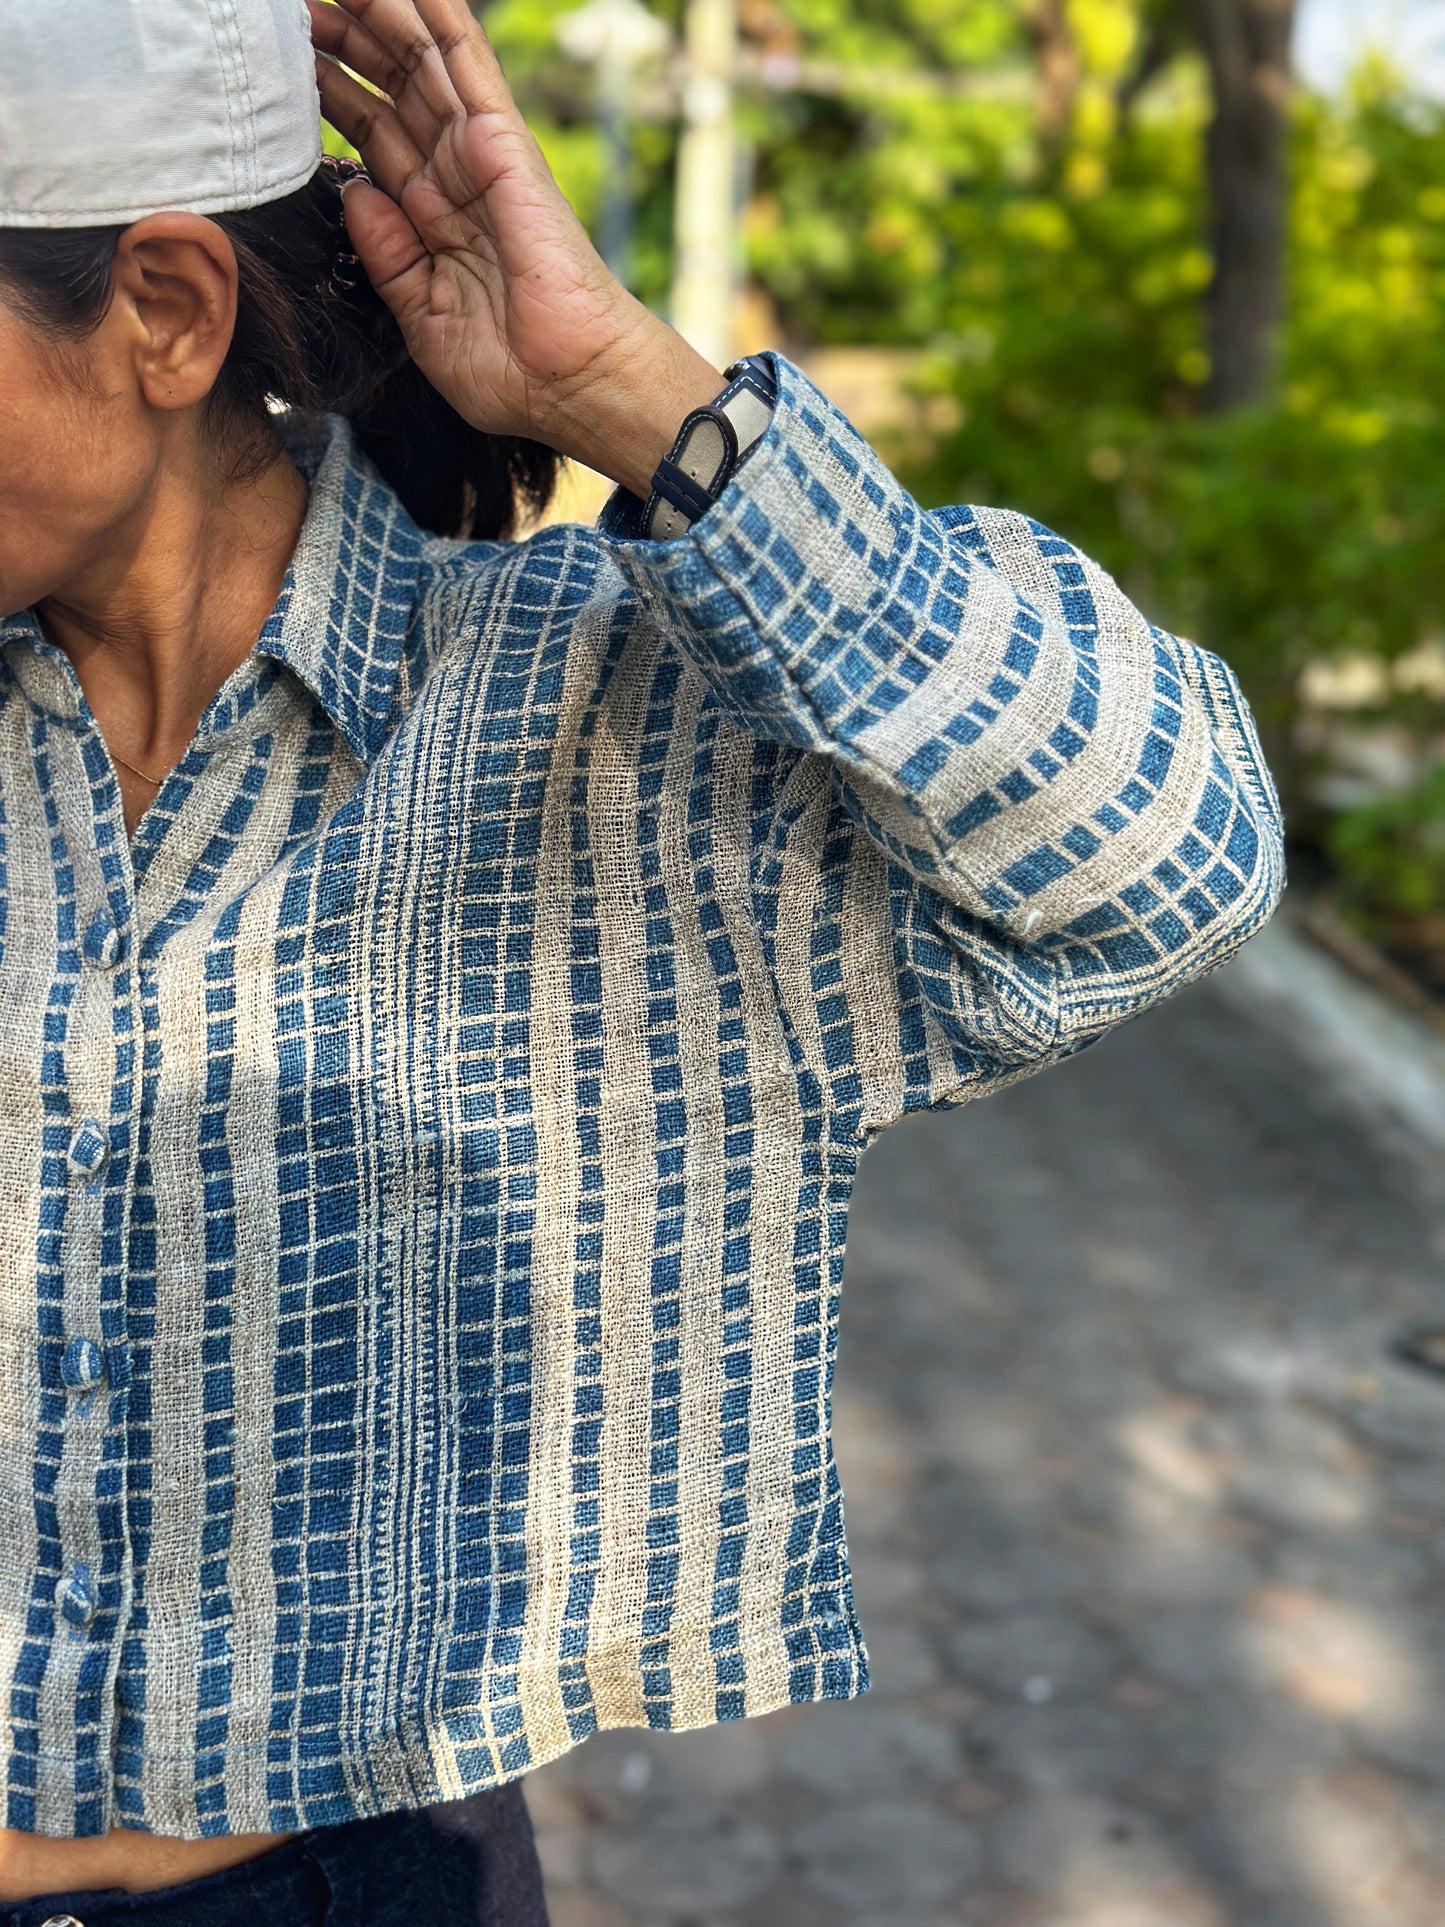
709, 447
691, 478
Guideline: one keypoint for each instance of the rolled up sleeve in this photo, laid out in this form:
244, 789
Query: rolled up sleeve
1009, 811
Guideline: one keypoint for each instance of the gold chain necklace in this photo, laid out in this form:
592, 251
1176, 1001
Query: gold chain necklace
157, 780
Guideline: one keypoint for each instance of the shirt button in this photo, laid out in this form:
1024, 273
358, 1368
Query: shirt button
104, 943
82, 1365
89, 1148
62, 1920
75, 1599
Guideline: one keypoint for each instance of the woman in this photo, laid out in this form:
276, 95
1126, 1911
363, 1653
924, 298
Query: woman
447, 984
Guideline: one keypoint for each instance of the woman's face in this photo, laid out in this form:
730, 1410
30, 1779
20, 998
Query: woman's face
87, 427
74, 455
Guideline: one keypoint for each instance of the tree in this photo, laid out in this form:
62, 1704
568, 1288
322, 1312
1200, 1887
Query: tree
1246, 45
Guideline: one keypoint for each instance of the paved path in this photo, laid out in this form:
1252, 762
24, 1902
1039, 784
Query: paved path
1149, 1537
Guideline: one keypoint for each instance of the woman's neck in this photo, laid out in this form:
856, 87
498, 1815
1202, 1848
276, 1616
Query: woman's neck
174, 599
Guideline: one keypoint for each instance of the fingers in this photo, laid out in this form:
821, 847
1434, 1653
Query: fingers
420, 91
372, 126
395, 257
440, 47
334, 32
474, 69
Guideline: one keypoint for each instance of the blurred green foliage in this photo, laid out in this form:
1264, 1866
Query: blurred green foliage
1279, 534
905, 192
1305, 529
1390, 856
843, 185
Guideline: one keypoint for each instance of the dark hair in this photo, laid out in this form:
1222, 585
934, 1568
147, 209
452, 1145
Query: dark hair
314, 336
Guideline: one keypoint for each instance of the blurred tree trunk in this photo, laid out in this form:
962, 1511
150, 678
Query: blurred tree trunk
1056, 67
1247, 46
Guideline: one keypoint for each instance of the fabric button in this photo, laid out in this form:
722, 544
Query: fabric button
83, 1365
74, 1597
104, 942
89, 1148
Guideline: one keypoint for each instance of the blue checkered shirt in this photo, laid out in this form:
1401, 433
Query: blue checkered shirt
428, 1139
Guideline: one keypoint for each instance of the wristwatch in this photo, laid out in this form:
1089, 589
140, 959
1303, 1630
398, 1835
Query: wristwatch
708, 449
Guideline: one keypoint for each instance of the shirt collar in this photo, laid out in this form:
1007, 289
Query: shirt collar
346, 606
350, 596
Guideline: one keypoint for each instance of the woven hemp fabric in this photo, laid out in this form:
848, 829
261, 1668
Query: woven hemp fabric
428, 1141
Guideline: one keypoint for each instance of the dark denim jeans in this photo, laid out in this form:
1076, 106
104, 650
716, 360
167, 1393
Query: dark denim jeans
471, 1863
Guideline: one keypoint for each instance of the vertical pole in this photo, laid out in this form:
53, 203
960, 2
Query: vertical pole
614, 37
615, 237
704, 283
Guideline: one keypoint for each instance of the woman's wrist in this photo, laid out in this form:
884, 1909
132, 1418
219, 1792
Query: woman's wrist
623, 416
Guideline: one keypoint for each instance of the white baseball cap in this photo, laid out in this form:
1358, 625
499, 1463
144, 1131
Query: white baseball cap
113, 109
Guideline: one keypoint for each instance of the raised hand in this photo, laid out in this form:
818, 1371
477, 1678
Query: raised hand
506, 306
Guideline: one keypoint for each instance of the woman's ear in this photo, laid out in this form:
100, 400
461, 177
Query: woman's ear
175, 280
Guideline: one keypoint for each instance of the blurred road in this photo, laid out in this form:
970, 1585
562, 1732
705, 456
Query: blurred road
1149, 1537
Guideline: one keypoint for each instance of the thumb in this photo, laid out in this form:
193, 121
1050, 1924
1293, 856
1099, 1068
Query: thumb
397, 260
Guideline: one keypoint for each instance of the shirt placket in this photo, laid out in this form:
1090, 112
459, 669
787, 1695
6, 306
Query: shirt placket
91, 1340
116, 904
91, 1098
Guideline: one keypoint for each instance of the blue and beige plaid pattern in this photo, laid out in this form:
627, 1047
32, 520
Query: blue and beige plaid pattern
429, 1140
